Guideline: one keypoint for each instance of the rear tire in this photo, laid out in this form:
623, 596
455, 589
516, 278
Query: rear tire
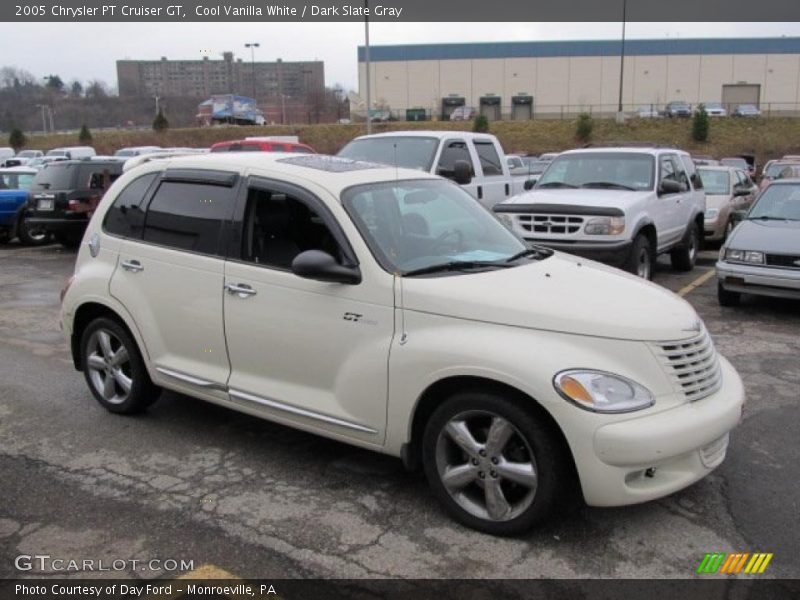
500, 484
684, 257
29, 236
642, 258
726, 297
114, 368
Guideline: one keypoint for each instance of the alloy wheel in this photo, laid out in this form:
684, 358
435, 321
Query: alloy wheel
486, 465
109, 366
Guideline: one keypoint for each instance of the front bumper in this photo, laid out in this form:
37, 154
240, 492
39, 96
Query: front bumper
644, 458
615, 254
759, 280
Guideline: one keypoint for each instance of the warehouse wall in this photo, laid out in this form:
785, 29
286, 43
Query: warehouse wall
583, 81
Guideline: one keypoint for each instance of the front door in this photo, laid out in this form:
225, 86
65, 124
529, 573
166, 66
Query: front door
304, 352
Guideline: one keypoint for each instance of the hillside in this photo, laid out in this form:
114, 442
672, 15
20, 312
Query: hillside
767, 137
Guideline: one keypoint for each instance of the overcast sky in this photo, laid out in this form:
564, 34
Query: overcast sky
89, 50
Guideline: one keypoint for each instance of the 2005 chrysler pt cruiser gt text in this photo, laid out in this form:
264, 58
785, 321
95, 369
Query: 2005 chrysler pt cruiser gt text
388, 309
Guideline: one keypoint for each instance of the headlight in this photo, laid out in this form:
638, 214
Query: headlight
712, 214
506, 219
602, 392
752, 257
605, 226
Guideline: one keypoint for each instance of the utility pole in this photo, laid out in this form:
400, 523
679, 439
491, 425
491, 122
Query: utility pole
280, 92
157, 98
366, 64
44, 117
620, 114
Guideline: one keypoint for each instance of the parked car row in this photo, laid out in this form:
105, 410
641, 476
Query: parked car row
679, 108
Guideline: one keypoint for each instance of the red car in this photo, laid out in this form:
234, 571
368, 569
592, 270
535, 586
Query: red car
262, 145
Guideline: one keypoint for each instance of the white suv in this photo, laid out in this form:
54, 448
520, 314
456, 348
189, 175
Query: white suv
620, 206
386, 308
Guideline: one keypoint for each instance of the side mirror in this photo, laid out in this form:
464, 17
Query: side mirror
321, 266
528, 185
462, 172
670, 186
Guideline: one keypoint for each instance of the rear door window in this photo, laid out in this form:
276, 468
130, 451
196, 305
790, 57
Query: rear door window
188, 216
490, 161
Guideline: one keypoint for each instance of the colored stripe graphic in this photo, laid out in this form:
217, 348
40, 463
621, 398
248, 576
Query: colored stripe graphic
732, 564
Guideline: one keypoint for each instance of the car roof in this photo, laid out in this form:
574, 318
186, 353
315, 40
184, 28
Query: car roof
19, 169
427, 133
626, 149
331, 172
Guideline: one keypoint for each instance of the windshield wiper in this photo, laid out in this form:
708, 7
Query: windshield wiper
608, 184
557, 184
770, 218
454, 265
528, 252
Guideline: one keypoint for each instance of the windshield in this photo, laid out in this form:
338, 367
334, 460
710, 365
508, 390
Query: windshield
779, 201
616, 170
412, 225
715, 181
54, 176
15, 181
125, 153
27, 154
405, 152
773, 170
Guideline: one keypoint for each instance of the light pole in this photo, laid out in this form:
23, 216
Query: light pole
44, 117
157, 107
280, 91
253, 46
620, 115
366, 63
306, 73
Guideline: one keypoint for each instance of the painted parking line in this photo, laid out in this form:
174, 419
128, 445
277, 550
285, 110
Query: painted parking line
697, 283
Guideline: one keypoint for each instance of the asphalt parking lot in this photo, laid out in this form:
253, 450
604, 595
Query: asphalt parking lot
193, 481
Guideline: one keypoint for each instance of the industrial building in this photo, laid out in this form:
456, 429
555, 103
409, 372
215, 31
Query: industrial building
523, 80
300, 82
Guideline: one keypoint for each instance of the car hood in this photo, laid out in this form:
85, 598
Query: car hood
579, 197
561, 293
767, 236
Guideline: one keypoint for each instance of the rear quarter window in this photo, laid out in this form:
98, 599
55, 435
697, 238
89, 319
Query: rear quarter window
55, 177
125, 218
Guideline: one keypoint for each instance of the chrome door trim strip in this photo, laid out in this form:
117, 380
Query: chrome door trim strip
205, 383
300, 411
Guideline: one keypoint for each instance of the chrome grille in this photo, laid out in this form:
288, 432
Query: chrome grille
692, 364
552, 224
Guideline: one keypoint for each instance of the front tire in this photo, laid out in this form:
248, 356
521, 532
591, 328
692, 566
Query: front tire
492, 465
642, 258
726, 297
684, 257
114, 368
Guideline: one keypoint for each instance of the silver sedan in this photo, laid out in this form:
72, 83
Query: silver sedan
762, 254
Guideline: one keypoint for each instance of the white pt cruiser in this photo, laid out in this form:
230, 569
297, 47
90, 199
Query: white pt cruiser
386, 308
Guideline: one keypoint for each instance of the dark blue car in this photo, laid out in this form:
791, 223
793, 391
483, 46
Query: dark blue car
14, 184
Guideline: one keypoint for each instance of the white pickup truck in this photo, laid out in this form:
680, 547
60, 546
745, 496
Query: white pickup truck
475, 161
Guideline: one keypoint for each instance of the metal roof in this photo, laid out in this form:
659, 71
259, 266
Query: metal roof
782, 45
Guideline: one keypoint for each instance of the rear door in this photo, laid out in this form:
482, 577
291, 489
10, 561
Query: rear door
170, 278
495, 181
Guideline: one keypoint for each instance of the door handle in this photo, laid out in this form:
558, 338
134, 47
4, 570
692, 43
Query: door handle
134, 266
240, 289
